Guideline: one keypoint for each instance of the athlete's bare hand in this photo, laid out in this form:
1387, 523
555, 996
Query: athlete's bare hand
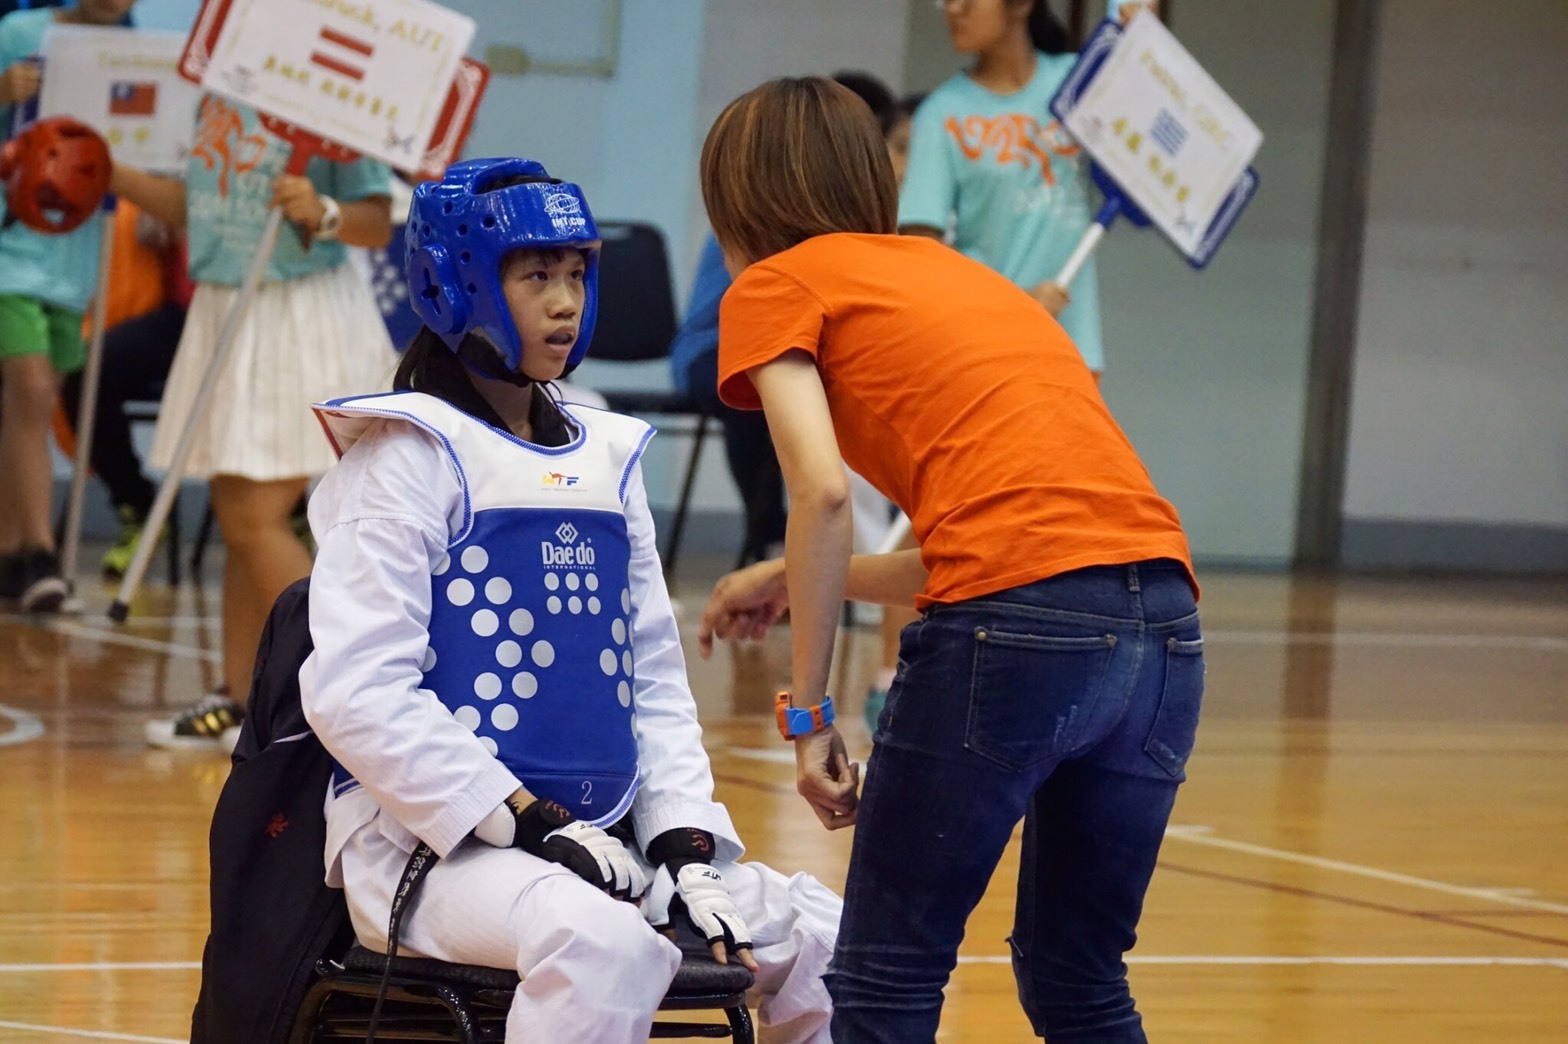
827, 779
744, 604
19, 82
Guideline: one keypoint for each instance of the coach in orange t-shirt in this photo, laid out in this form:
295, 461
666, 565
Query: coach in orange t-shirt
1056, 672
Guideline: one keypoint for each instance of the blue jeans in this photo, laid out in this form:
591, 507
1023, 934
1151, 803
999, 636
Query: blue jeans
1070, 703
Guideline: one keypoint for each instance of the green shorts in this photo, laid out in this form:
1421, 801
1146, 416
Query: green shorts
28, 326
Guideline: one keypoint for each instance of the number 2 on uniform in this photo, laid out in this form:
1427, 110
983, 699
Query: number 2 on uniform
587, 792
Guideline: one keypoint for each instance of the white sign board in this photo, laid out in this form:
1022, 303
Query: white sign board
125, 84
372, 75
1163, 130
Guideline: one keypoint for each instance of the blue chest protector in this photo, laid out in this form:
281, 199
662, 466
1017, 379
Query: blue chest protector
531, 608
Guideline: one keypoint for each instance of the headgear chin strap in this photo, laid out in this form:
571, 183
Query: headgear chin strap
460, 229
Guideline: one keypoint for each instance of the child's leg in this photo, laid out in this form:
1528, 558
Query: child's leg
30, 389
592, 968
793, 923
36, 344
264, 557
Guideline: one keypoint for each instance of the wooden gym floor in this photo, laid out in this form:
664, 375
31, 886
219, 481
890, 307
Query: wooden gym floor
1372, 847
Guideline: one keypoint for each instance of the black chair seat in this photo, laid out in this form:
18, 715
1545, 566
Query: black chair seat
430, 1000
699, 973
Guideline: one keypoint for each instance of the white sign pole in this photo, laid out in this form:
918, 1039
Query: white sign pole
1091, 239
86, 411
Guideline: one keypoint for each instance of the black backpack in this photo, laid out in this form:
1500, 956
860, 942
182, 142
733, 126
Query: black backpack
273, 915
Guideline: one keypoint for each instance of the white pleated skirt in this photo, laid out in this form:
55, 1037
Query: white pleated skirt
300, 342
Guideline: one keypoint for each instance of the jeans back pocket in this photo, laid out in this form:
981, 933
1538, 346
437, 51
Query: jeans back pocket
1031, 695
1176, 722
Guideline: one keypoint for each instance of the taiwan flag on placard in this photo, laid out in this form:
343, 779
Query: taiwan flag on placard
133, 99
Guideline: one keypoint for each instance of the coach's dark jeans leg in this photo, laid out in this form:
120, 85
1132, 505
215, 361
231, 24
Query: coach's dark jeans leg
1094, 829
1090, 842
137, 355
934, 819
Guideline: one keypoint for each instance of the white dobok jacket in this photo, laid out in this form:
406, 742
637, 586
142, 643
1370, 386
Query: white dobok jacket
489, 613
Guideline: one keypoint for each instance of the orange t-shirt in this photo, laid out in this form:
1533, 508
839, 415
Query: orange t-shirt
136, 279
962, 400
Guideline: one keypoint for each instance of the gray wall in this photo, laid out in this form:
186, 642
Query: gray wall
1459, 410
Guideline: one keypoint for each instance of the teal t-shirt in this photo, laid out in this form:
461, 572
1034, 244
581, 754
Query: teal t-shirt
1001, 173
228, 185
58, 270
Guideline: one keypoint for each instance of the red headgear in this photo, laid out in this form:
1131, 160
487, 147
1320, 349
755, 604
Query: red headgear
56, 173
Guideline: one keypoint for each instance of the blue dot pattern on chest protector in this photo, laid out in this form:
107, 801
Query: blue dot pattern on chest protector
530, 647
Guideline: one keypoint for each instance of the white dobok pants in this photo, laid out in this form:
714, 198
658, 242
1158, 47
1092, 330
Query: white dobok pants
592, 968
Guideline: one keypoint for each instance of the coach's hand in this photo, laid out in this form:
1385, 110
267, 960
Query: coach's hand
547, 830
744, 604
826, 778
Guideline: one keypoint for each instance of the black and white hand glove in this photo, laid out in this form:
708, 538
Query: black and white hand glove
546, 829
710, 909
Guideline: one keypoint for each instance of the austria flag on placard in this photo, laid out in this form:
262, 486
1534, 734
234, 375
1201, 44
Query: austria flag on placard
344, 54
133, 99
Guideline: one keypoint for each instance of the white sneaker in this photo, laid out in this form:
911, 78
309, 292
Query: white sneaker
212, 723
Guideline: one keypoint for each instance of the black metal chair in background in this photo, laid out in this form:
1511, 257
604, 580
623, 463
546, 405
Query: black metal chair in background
636, 323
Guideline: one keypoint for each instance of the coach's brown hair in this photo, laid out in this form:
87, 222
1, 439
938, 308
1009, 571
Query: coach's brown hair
792, 159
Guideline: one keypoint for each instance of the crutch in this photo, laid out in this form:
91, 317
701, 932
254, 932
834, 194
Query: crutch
87, 407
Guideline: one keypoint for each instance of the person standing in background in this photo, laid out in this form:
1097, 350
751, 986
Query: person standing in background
312, 331
45, 283
988, 161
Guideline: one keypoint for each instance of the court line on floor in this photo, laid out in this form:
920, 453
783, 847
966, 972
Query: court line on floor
67, 1031
1390, 639
1286, 961
94, 966
26, 727
130, 641
1451, 961
772, 755
1202, 835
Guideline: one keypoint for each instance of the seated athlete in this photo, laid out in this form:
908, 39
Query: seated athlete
497, 669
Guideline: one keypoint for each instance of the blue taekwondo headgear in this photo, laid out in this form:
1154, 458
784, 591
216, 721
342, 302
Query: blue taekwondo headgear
461, 227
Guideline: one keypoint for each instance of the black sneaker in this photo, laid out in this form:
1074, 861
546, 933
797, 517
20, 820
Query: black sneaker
11, 576
43, 589
212, 723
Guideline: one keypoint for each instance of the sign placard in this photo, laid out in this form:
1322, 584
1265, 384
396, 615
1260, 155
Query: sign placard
1163, 130
126, 85
385, 78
